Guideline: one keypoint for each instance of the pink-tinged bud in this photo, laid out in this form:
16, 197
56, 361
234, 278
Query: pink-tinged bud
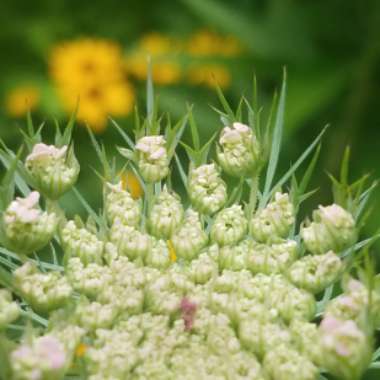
188, 310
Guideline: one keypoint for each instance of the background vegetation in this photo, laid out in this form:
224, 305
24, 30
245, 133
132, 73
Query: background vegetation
331, 50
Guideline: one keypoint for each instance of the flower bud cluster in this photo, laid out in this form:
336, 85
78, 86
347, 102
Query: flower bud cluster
120, 206
332, 229
54, 170
239, 152
153, 161
166, 215
43, 291
274, 222
207, 190
9, 310
43, 358
26, 227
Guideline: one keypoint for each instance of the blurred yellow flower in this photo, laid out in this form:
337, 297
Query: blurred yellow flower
209, 75
91, 71
206, 43
161, 49
131, 183
21, 99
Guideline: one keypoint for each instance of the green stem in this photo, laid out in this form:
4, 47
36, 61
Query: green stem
253, 195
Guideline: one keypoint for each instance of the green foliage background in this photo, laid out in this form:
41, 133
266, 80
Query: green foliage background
331, 49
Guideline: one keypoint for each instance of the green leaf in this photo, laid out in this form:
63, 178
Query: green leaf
276, 144
126, 138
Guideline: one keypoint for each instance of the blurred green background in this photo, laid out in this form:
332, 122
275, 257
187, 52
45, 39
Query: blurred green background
331, 50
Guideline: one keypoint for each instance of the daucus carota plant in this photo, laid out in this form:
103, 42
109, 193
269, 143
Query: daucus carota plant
218, 281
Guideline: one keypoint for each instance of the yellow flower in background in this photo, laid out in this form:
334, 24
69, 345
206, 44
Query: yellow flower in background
131, 183
162, 50
206, 43
91, 71
22, 99
209, 75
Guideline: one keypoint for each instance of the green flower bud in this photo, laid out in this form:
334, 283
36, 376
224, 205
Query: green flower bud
271, 258
94, 315
229, 227
346, 348
43, 291
121, 206
306, 339
153, 161
129, 241
26, 227
333, 228
159, 255
315, 273
54, 170
9, 310
207, 190
273, 223
190, 237
166, 215
88, 280
44, 358
284, 363
239, 152
234, 257
202, 269
79, 242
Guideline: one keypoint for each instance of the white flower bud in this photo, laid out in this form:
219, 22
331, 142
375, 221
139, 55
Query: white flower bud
43, 291
9, 310
166, 215
239, 151
284, 363
274, 222
333, 228
190, 237
347, 351
88, 280
42, 359
55, 170
271, 258
159, 255
129, 241
153, 161
120, 205
79, 242
229, 227
315, 273
207, 190
234, 257
202, 269
26, 227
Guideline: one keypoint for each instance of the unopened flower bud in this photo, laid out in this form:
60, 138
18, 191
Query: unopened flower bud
26, 227
79, 242
42, 359
190, 237
274, 222
166, 215
239, 151
159, 255
130, 241
54, 170
347, 351
121, 206
230, 226
153, 161
207, 190
271, 258
43, 291
315, 272
234, 257
202, 269
9, 310
285, 363
333, 228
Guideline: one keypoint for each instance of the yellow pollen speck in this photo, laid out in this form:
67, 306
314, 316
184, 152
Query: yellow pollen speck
131, 183
81, 350
173, 255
